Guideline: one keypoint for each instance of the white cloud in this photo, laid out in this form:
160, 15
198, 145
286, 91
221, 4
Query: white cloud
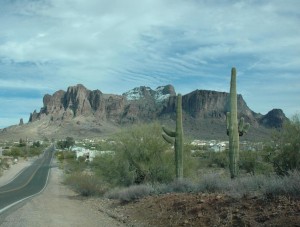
114, 45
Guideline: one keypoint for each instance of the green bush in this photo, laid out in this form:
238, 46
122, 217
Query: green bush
15, 152
141, 156
218, 159
85, 184
286, 156
68, 142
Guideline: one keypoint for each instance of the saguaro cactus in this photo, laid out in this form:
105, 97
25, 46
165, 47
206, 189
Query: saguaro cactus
242, 127
178, 138
234, 128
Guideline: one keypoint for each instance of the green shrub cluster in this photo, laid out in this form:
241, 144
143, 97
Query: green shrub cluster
24, 151
285, 156
140, 156
86, 184
68, 142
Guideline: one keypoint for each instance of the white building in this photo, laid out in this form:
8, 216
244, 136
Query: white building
88, 154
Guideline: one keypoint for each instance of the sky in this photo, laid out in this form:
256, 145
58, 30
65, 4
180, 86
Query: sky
116, 45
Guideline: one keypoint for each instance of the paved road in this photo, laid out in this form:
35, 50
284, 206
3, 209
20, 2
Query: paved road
29, 182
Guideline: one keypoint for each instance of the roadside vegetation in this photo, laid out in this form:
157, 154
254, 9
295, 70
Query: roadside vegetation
14, 151
24, 149
143, 164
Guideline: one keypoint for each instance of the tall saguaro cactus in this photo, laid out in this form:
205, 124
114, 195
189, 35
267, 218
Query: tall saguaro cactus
234, 128
178, 138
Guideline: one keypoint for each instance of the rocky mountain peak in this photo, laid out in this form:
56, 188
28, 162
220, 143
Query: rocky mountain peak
76, 99
160, 94
273, 119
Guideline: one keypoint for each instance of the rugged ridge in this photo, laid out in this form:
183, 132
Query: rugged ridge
273, 119
204, 111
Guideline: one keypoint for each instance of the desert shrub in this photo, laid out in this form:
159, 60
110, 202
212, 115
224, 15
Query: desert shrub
251, 185
15, 152
286, 156
212, 183
263, 168
181, 185
69, 155
113, 169
73, 165
131, 193
68, 142
288, 185
3, 165
248, 160
141, 156
218, 159
36, 144
85, 184
34, 151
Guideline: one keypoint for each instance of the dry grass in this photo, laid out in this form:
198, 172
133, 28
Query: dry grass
85, 184
262, 186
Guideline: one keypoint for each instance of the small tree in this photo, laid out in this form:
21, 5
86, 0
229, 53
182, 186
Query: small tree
66, 143
69, 142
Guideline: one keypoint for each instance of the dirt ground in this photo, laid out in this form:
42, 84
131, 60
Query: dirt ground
205, 210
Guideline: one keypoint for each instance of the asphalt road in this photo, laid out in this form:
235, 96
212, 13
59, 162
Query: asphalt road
29, 182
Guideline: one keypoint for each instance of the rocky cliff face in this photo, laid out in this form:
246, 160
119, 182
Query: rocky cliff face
202, 110
138, 104
273, 119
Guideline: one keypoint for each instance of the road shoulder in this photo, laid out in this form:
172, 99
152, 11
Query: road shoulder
57, 205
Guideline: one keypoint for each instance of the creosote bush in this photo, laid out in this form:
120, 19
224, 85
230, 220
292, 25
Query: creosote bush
86, 184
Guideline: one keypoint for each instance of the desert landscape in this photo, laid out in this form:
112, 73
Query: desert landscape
149, 113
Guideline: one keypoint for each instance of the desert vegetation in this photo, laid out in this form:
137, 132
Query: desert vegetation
24, 149
11, 152
151, 160
144, 164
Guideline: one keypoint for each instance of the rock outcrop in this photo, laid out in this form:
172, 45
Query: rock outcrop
21, 122
202, 109
273, 119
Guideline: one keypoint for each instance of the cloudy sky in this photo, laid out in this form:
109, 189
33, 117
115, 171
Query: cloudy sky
116, 45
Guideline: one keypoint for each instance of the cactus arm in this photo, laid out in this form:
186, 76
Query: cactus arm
241, 124
246, 127
168, 139
169, 132
227, 122
243, 128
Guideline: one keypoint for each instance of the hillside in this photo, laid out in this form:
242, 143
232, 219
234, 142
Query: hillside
81, 113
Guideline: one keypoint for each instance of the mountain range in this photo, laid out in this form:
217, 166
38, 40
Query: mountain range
82, 113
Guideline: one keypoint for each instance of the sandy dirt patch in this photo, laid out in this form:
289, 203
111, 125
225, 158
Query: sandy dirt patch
56, 206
